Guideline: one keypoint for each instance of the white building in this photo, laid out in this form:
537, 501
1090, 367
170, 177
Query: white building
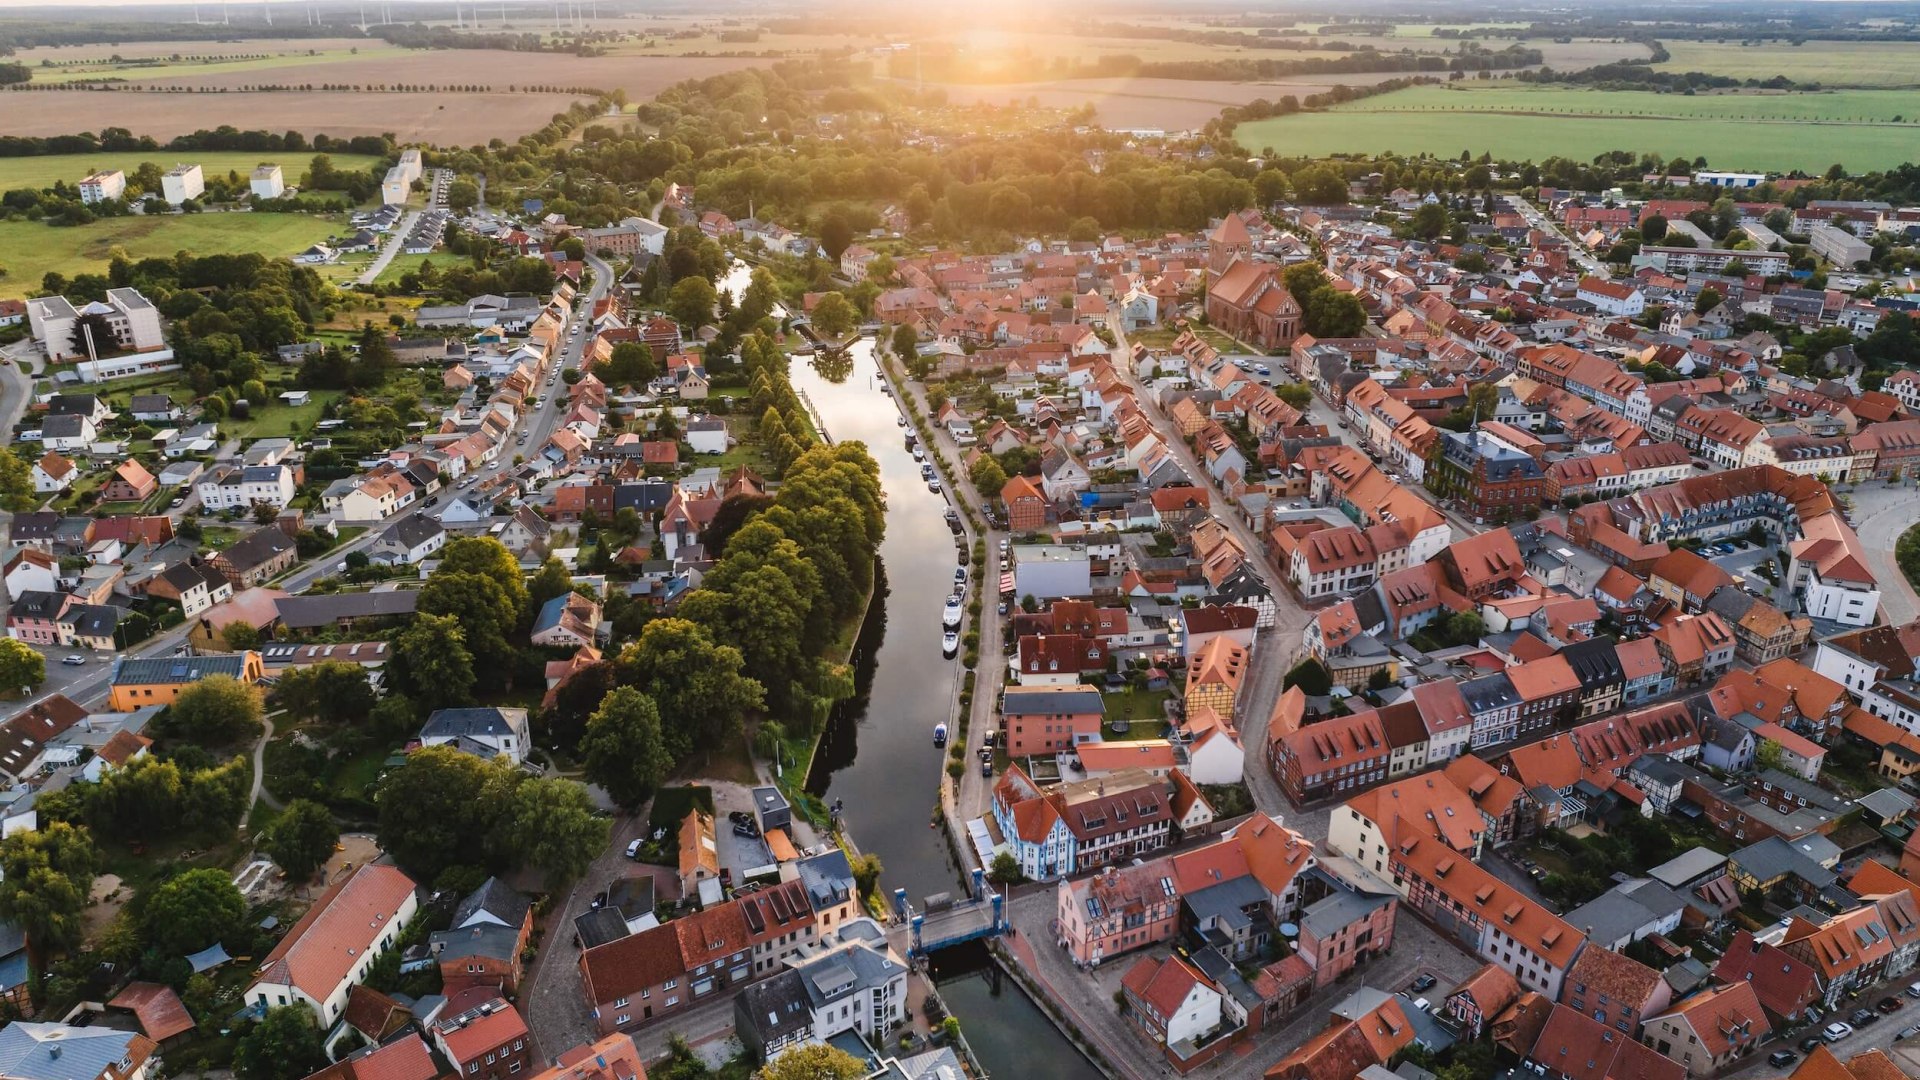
132, 320
482, 732
1612, 297
182, 182
267, 182
1051, 571
246, 487
331, 950
1838, 246
103, 186
1730, 179
399, 179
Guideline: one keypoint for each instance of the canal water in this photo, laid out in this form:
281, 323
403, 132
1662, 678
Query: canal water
877, 758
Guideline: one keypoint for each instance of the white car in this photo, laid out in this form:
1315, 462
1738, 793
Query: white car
633, 849
1836, 1031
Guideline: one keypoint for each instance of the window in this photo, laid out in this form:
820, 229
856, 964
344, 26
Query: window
672, 1000
619, 1003
623, 1018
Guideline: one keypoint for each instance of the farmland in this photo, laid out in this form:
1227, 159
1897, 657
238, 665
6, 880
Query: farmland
1829, 63
497, 106
39, 172
29, 249
1746, 131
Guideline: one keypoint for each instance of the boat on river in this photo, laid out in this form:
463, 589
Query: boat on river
940, 734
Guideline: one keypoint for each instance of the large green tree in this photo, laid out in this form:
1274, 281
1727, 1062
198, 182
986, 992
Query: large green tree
552, 828
699, 686
439, 809
833, 315
692, 302
301, 839
282, 1045
818, 1061
334, 692
20, 666
46, 876
478, 582
1331, 313
16, 482
623, 746
431, 663
192, 911
216, 711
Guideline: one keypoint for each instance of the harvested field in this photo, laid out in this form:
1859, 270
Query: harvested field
640, 76
449, 119
1830, 63
146, 50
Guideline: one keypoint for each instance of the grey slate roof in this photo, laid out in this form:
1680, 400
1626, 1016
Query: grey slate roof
1687, 867
309, 612
828, 878
777, 1008
1080, 701
474, 723
58, 1052
599, 926
170, 669
484, 939
507, 905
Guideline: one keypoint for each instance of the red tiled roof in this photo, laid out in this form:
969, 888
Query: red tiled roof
331, 937
161, 1014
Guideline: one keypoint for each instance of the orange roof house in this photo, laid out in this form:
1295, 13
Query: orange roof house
330, 949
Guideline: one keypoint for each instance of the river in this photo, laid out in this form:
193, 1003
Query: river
877, 757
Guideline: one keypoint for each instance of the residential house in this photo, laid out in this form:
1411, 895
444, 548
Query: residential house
330, 949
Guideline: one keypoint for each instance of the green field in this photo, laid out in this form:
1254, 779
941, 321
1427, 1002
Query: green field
39, 172
29, 249
1742, 131
1830, 63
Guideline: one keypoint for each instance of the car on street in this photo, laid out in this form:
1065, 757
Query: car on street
1836, 1031
1811, 1043
1780, 1058
1423, 983
633, 849
1862, 1017
73, 660
1907, 1032
1889, 1004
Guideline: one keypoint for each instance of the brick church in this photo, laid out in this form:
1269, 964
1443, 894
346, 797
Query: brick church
1247, 299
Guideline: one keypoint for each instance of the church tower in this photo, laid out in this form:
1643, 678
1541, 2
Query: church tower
1226, 243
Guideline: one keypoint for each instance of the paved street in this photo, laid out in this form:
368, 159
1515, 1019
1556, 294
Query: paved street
395, 240
1540, 221
1882, 512
555, 1009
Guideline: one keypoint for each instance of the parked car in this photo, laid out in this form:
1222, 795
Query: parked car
1782, 1057
746, 828
73, 660
1862, 1017
1889, 1004
740, 817
1836, 1031
1907, 1032
1423, 983
633, 849
1811, 1043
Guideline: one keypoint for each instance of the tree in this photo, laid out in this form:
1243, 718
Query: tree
46, 876
1331, 313
1005, 870
833, 316
1653, 229
624, 750
301, 839
439, 806
631, 364
16, 482
216, 711
698, 685
240, 636
192, 911
1319, 185
431, 662
988, 477
836, 235
906, 343
550, 581
1310, 677
334, 692
284, 1043
1430, 221
463, 195
1270, 186
818, 1061
1303, 279
691, 303
1708, 299
553, 828
1767, 755
20, 666
478, 581
1465, 627
1298, 395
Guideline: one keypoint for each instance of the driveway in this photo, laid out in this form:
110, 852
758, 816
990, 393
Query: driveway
395, 240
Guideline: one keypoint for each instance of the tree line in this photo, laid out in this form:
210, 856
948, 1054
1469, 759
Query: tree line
225, 137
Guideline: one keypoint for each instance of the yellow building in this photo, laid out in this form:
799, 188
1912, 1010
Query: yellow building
157, 680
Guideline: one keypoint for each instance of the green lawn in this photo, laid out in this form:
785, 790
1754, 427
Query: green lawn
1145, 711
1732, 131
32, 249
1830, 63
39, 172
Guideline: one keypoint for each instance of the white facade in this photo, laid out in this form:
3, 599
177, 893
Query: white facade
1841, 602
1850, 671
132, 321
1838, 246
182, 182
103, 186
268, 182
244, 488
1216, 759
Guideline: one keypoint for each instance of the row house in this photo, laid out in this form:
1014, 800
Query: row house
1486, 914
1117, 910
1083, 825
1330, 757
